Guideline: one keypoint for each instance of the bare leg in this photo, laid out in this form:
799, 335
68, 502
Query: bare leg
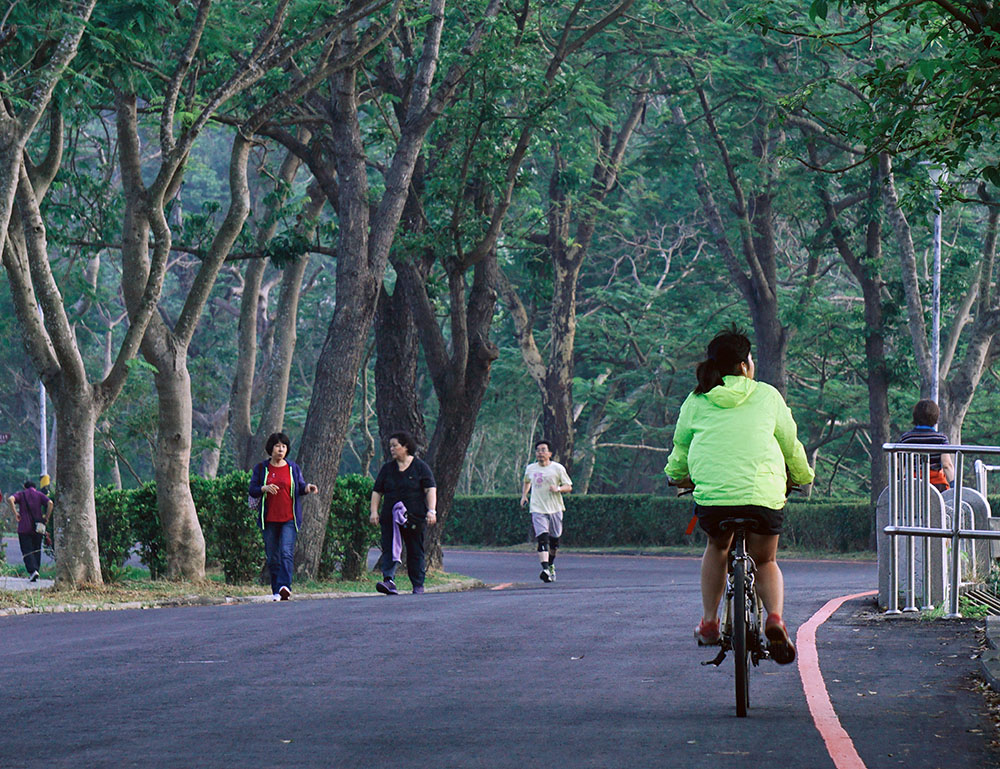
713, 576
770, 583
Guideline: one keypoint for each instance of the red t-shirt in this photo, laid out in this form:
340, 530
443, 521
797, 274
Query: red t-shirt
279, 506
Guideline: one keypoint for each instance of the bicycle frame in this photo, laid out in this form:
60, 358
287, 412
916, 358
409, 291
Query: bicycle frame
742, 619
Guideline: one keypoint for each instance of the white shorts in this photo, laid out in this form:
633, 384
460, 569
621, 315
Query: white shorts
547, 523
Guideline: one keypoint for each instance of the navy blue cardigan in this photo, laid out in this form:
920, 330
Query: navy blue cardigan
258, 478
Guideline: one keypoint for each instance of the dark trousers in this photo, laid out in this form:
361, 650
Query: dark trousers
31, 551
279, 545
413, 542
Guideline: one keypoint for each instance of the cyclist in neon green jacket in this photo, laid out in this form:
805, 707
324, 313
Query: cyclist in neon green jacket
733, 441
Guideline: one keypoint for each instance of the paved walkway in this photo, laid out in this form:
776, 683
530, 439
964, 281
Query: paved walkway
596, 670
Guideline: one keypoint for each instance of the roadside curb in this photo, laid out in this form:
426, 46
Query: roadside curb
990, 658
452, 586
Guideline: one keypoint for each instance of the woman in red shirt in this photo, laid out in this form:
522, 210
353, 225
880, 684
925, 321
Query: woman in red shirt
279, 484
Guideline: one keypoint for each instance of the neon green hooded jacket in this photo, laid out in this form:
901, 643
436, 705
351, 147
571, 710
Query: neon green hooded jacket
734, 443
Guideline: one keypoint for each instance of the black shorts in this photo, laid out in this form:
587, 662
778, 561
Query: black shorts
768, 521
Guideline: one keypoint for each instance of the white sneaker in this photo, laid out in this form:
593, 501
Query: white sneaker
284, 593
33, 577
275, 597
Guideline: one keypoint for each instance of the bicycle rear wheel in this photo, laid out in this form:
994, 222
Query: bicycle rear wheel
740, 647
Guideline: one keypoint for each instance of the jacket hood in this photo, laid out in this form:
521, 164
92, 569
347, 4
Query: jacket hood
733, 392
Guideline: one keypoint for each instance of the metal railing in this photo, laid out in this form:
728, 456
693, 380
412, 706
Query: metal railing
982, 471
910, 494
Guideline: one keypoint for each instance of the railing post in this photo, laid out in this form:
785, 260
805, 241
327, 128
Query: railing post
913, 484
893, 602
925, 517
956, 518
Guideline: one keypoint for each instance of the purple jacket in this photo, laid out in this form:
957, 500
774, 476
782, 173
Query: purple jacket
259, 477
31, 504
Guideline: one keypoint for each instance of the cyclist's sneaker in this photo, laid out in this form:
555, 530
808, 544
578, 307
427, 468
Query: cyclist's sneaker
707, 633
552, 573
544, 574
778, 642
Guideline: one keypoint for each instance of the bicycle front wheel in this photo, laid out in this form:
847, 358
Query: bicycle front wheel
740, 647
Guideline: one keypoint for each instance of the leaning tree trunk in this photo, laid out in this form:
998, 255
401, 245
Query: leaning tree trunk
396, 371
329, 414
456, 423
75, 535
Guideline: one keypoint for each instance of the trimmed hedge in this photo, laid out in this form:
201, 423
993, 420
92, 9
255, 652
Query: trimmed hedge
641, 520
349, 535
230, 526
128, 518
114, 531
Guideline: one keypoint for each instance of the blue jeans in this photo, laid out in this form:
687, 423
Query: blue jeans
279, 544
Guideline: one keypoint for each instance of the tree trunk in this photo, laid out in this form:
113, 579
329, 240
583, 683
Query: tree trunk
182, 535
329, 412
867, 272
396, 343
366, 235
557, 397
215, 426
75, 535
460, 403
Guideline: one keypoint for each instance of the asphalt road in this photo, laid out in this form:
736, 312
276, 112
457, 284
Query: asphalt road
596, 670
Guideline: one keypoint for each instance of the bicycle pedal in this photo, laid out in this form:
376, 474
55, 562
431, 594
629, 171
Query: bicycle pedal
717, 660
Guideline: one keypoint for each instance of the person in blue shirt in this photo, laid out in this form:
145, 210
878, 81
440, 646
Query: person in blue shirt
925, 418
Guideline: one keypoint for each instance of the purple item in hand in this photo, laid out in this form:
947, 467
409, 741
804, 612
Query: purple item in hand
398, 519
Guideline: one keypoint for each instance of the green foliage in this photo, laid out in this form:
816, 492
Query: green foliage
114, 531
349, 535
146, 528
639, 520
972, 609
231, 527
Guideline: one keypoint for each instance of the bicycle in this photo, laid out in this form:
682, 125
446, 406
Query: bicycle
742, 620
742, 627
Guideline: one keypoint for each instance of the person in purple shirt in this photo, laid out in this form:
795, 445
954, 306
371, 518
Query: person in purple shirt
35, 509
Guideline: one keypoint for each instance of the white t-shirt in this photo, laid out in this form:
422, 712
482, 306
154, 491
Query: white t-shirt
543, 499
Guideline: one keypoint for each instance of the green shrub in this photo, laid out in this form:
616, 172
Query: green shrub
114, 531
641, 520
145, 521
204, 492
836, 527
349, 535
234, 527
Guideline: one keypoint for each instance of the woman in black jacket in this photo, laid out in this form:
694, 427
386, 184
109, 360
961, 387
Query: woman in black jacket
410, 493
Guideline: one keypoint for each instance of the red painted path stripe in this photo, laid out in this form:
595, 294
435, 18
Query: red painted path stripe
838, 741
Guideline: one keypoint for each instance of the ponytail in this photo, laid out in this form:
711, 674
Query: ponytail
725, 353
708, 375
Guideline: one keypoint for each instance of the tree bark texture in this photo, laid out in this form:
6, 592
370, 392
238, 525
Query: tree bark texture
460, 379
182, 535
365, 238
396, 344
77, 561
